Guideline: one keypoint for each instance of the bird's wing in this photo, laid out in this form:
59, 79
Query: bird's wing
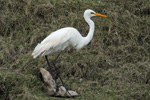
56, 38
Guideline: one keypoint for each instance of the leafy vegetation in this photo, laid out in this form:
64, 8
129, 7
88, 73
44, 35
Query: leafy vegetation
114, 66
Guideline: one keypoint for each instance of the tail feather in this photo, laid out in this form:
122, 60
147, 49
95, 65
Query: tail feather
36, 51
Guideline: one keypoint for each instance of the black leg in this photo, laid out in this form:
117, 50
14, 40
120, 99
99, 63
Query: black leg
51, 72
57, 73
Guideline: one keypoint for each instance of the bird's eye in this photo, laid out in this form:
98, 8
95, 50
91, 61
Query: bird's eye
92, 12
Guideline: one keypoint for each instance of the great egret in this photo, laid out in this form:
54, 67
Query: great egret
57, 41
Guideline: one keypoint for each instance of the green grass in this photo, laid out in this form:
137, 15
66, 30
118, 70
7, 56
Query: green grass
114, 66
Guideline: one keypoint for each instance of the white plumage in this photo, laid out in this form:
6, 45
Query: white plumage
62, 38
57, 41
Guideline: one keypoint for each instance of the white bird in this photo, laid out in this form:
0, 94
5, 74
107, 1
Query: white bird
57, 41
62, 38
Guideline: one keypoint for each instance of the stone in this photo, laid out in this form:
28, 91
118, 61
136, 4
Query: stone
48, 78
51, 86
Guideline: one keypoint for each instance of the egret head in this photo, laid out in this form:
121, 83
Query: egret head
90, 13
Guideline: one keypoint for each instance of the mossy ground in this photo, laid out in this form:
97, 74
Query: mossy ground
114, 66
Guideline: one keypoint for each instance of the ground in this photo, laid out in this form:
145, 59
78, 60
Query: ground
115, 65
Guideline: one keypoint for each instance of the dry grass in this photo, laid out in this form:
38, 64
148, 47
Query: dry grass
114, 66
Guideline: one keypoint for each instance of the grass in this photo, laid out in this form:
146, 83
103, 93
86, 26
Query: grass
114, 66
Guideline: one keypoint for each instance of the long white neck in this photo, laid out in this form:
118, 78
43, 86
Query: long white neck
89, 37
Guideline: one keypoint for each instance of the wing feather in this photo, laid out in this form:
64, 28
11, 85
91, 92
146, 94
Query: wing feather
54, 40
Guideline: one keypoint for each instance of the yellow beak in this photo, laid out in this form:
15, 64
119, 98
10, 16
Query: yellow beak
97, 14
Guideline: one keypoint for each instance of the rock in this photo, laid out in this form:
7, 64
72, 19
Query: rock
48, 78
51, 86
62, 92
